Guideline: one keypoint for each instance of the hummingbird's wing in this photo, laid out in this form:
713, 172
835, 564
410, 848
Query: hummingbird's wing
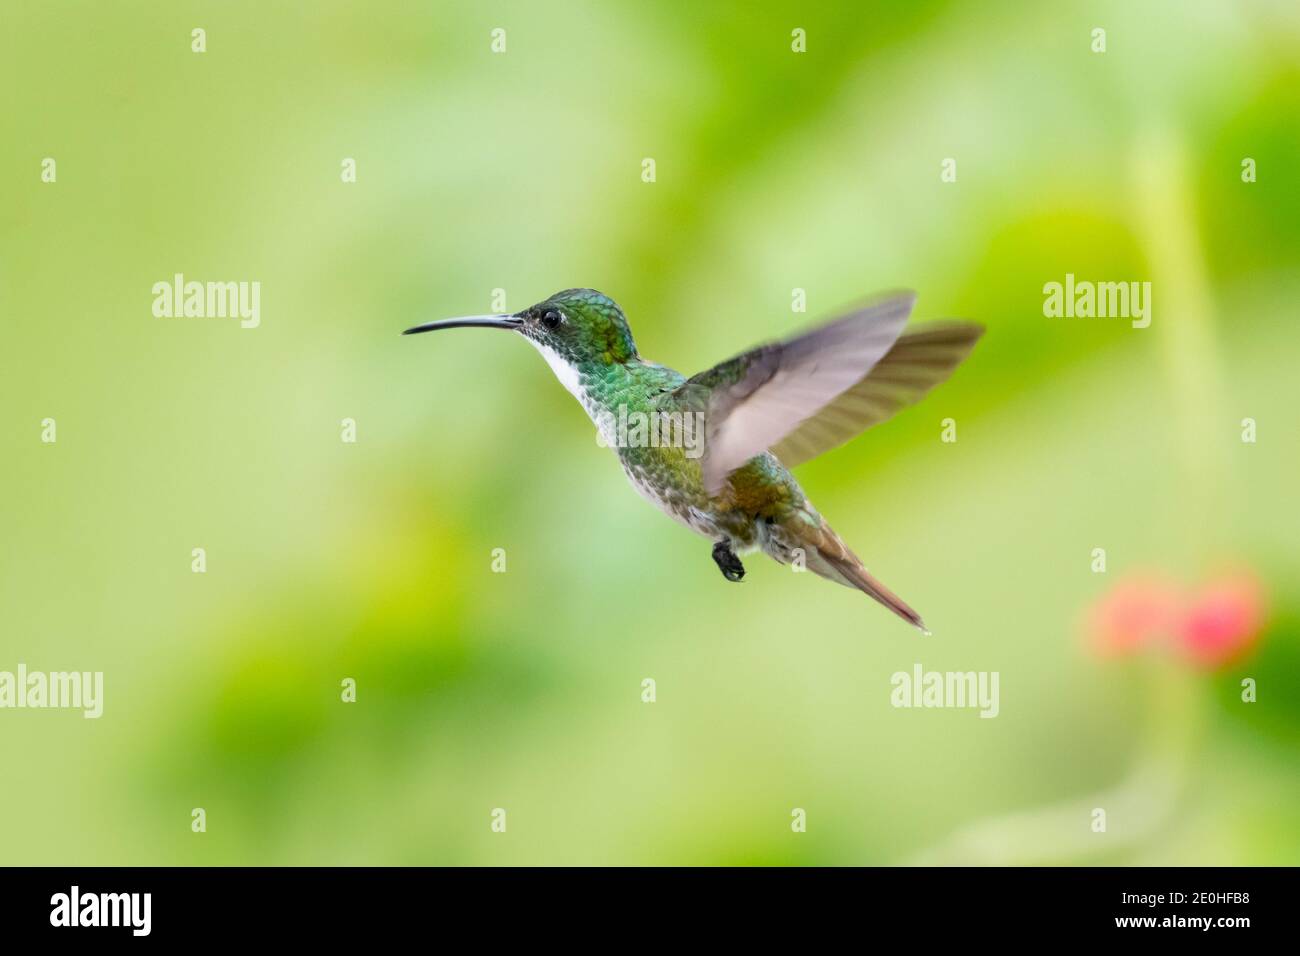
920, 359
755, 400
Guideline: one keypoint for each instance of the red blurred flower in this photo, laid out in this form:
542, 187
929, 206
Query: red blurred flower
1211, 627
1132, 615
1223, 621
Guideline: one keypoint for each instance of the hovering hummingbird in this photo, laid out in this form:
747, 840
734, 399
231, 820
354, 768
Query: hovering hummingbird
763, 412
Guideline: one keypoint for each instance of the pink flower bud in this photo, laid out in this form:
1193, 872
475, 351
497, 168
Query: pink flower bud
1132, 615
1223, 622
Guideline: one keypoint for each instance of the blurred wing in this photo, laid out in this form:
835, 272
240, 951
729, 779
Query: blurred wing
918, 361
756, 399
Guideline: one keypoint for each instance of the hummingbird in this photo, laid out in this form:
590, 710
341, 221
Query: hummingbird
761, 414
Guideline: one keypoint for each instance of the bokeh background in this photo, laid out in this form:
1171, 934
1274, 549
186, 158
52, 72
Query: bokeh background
522, 171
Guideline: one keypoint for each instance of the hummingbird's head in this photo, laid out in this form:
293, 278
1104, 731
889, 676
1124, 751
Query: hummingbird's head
578, 328
581, 326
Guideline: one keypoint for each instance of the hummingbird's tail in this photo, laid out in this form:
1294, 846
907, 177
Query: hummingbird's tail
828, 556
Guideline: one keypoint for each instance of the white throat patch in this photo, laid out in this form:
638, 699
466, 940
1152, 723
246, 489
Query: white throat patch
569, 378
566, 373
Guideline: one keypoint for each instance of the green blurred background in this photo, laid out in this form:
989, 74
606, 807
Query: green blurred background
522, 171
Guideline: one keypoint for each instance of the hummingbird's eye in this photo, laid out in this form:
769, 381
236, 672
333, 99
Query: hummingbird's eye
551, 319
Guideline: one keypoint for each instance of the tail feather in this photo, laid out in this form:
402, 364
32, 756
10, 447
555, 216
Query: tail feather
840, 564
863, 580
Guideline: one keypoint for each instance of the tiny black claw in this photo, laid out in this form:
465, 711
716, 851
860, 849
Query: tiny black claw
727, 561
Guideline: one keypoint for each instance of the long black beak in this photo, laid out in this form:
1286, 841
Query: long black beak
470, 322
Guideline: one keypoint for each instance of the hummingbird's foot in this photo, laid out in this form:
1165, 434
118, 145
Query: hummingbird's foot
727, 561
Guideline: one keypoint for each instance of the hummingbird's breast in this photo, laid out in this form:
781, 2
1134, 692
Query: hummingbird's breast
659, 443
667, 482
